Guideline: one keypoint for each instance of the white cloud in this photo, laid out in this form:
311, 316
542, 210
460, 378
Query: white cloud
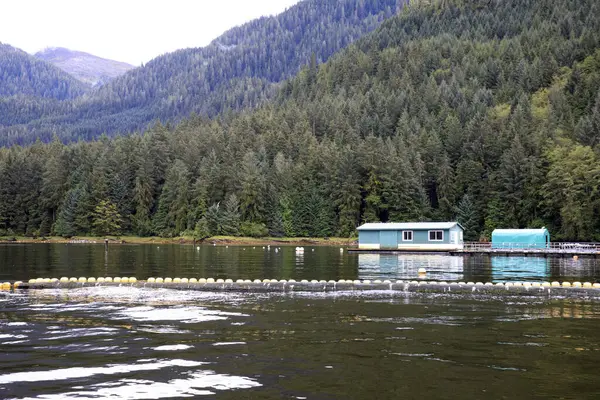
133, 31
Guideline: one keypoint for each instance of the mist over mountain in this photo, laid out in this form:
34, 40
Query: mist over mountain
85, 67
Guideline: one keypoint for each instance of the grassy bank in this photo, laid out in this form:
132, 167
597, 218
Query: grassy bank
217, 240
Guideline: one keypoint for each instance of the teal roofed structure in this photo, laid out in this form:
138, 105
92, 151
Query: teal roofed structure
520, 238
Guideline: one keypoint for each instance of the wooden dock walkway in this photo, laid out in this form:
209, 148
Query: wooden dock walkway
558, 249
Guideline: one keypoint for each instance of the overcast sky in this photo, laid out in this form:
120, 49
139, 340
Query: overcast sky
133, 31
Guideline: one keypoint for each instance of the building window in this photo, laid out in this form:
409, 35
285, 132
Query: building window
436, 236
407, 236
460, 236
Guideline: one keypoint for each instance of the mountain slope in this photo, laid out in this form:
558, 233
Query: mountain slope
29, 88
236, 71
85, 67
22, 74
487, 112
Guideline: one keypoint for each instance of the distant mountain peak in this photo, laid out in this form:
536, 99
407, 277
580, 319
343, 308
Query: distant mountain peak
85, 67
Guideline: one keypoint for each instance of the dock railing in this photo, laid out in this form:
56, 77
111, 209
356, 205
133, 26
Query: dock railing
552, 247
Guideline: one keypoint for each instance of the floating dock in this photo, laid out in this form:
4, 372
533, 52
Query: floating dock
471, 248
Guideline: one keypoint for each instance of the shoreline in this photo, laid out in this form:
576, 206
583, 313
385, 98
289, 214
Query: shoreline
185, 240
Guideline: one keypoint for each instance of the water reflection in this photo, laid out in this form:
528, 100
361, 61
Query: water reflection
520, 268
406, 266
22, 262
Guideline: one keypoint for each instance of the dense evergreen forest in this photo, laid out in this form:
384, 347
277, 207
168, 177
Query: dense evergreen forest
483, 111
238, 70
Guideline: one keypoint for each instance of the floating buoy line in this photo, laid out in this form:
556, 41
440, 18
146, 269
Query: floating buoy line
565, 288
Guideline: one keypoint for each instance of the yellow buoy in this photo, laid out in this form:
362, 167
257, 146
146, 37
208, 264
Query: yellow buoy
159, 280
91, 280
151, 280
566, 284
108, 279
64, 279
17, 284
168, 280
193, 280
176, 280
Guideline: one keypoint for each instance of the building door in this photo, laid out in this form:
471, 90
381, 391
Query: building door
388, 239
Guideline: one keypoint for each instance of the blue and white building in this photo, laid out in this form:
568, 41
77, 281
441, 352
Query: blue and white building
411, 236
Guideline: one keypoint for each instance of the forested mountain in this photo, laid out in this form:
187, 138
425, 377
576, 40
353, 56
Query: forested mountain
235, 71
87, 68
22, 74
488, 112
30, 87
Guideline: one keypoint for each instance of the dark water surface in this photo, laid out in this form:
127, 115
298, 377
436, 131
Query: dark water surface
26, 261
129, 343
113, 343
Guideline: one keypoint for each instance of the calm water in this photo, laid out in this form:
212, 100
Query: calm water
22, 262
124, 343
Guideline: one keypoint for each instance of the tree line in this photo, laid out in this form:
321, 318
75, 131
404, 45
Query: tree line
484, 113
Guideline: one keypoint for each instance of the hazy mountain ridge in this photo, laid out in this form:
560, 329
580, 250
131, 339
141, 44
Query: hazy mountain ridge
85, 67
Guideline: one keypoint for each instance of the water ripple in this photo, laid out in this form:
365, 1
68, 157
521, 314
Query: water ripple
83, 372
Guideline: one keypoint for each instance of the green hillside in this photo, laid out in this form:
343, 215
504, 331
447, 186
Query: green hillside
30, 88
488, 112
22, 74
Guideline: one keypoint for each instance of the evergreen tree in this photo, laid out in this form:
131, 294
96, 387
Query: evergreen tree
107, 220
